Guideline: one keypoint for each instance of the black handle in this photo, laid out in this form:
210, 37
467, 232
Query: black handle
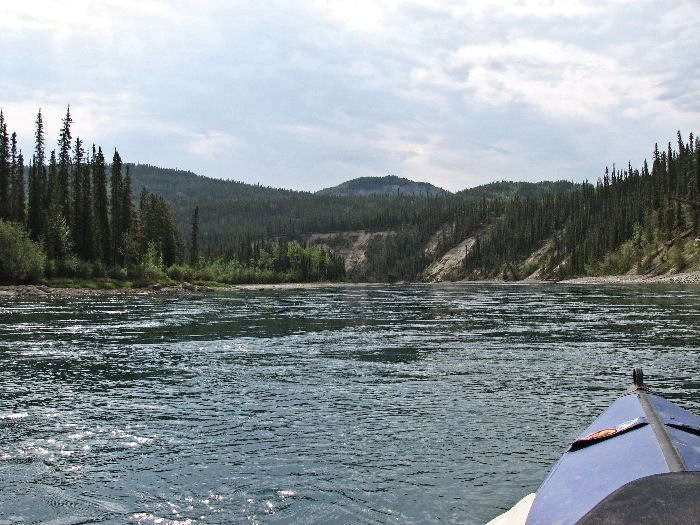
638, 378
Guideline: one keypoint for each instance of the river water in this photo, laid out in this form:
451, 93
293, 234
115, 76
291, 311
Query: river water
359, 404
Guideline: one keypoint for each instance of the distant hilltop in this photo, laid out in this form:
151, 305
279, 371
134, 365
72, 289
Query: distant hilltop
389, 185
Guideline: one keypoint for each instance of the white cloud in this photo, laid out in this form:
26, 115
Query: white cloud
95, 117
559, 79
451, 91
68, 17
212, 144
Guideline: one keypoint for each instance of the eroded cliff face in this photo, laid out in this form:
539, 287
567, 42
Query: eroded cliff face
352, 246
446, 263
448, 266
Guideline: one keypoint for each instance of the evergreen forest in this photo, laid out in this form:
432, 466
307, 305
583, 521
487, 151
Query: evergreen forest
74, 217
71, 214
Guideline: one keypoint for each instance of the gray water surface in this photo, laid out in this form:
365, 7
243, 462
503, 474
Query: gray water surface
369, 404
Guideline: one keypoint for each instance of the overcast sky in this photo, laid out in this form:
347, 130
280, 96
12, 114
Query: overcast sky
307, 94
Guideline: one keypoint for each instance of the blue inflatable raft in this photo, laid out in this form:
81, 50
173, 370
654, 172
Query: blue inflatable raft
638, 462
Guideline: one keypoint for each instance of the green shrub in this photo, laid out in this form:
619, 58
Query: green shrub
70, 266
51, 268
675, 258
180, 272
118, 273
21, 259
691, 253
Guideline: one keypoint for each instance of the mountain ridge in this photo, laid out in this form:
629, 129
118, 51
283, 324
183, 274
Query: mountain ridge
387, 185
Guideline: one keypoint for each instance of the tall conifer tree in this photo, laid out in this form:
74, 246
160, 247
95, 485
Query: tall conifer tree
117, 200
87, 251
101, 207
40, 173
17, 193
127, 205
64, 146
129, 223
34, 203
194, 247
76, 213
57, 239
4, 169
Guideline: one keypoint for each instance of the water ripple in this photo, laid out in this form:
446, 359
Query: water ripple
376, 404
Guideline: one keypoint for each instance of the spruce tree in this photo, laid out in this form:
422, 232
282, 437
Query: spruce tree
194, 248
77, 200
33, 203
11, 208
57, 246
39, 152
129, 222
17, 194
64, 162
87, 251
101, 207
4, 169
40, 174
127, 204
117, 201
53, 184
37, 216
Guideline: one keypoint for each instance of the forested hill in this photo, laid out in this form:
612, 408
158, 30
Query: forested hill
388, 185
507, 189
175, 185
141, 220
642, 219
231, 213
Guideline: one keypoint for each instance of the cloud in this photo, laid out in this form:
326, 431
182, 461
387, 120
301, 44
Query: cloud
212, 144
93, 117
307, 94
559, 79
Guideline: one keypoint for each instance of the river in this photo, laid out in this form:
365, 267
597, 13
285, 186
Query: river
358, 404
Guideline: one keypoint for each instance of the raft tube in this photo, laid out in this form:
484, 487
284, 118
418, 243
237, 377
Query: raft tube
638, 462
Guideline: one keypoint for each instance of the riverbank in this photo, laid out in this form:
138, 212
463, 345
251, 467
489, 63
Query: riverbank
671, 278
42, 290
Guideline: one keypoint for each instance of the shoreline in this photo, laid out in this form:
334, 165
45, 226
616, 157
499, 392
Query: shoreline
42, 290
692, 278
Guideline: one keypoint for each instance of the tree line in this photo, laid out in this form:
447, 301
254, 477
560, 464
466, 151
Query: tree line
629, 220
85, 224
81, 212
235, 215
77, 217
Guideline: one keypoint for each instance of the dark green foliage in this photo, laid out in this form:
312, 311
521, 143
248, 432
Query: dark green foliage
34, 198
233, 213
278, 262
100, 203
508, 189
117, 201
259, 212
389, 185
38, 186
250, 233
17, 212
64, 161
194, 238
586, 226
68, 212
22, 259
58, 239
82, 204
158, 228
126, 208
4, 169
